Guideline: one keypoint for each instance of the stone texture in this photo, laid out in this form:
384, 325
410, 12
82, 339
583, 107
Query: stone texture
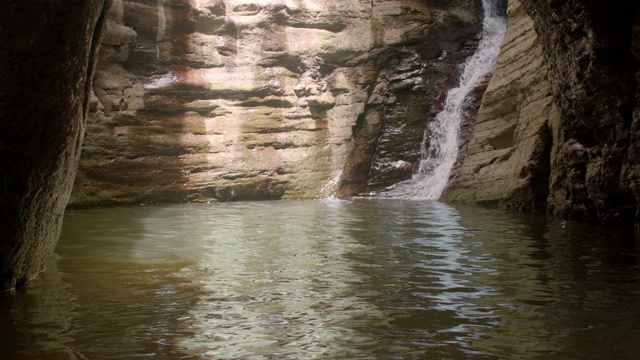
215, 100
507, 162
48, 57
581, 149
630, 175
408, 92
591, 52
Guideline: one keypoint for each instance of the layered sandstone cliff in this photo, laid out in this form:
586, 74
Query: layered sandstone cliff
215, 100
226, 100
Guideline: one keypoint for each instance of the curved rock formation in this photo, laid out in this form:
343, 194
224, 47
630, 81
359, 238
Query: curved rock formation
48, 55
212, 100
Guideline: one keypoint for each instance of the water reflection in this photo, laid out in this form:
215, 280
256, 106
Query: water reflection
367, 279
278, 285
569, 289
427, 270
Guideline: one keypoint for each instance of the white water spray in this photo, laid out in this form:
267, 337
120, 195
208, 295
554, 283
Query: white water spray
438, 159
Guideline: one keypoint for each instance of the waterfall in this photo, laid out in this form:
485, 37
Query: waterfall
439, 156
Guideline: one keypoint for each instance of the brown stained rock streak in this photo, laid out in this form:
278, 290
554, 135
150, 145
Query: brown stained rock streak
223, 100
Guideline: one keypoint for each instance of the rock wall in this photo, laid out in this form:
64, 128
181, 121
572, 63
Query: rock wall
507, 162
578, 154
47, 57
211, 100
591, 52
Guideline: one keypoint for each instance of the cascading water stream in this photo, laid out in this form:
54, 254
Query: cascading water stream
439, 156
162, 25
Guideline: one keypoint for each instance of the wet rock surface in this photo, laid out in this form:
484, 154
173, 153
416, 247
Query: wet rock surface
507, 157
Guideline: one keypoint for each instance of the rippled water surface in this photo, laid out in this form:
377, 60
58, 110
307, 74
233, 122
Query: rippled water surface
367, 279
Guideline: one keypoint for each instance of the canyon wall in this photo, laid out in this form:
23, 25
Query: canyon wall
48, 55
212, 100
558, 129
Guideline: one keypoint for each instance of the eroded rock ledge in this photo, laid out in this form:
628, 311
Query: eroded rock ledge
213, 100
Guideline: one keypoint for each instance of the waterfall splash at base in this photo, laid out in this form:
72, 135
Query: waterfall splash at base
439, 149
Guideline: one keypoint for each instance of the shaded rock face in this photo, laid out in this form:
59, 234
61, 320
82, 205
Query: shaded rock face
211, 100
591, 51
559, 125
41, 126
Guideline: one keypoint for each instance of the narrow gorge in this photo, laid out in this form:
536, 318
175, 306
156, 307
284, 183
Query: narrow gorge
313, 179
212, 100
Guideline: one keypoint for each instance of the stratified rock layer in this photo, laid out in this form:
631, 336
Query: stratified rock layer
215, 100
48, 54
